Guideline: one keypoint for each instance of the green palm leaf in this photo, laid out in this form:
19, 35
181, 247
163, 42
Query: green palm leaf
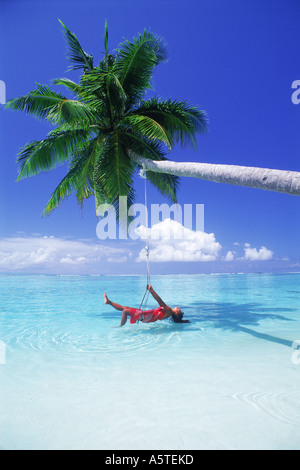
38, 103
44, 103
45, 155
166, 184
136, 61
106, 38
104, 92
148, 127
72, 112
66, 82
84, 162
139, 144
114, 171
77, 55
181, 120
76, 179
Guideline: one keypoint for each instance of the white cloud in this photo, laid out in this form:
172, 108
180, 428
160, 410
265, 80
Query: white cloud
171, 241
252, 254
50, 254
118, 259
229, 256
76, 260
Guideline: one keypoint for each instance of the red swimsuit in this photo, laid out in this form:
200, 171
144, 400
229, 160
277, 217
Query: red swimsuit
149, 315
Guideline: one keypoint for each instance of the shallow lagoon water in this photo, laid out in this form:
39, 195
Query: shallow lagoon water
227, 380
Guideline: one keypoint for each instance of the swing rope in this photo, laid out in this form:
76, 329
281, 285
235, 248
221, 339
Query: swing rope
146, 294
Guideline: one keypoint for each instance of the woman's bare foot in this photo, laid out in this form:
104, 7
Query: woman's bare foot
106, 301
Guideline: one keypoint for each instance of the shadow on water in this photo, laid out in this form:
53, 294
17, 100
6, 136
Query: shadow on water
224, 315
233, 317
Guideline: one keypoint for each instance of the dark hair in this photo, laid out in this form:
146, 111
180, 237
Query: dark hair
178, 318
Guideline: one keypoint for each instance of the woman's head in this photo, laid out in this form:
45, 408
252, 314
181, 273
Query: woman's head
177, 315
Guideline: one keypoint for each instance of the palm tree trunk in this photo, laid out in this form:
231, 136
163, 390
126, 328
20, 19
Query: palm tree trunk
253, 177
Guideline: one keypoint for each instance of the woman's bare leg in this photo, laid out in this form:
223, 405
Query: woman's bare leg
125, 310
113, 304
125, 314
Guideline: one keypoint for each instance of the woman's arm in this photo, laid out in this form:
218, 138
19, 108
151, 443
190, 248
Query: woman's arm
157, 298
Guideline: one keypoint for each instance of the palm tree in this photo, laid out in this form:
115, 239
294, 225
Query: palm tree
107, 130
106, 121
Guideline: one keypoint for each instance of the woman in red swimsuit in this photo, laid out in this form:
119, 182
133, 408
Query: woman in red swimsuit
147, 316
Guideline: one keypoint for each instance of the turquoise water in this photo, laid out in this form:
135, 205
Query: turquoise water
227, 380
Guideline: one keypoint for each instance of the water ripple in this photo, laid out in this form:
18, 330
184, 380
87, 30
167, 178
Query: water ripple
282, 406
106, 341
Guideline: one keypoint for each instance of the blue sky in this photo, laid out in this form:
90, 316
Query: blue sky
237, 60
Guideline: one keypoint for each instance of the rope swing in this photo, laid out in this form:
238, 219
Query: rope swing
143, 174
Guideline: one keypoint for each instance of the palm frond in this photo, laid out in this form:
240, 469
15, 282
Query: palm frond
45, 155
103, 90
66, 82
62, 191
147, 127
114, 172
151, 149
44, 103
84, 164
180, 120
107, 62
79, 58
72, 112
76, 179
105, 38
136, 61
166, 184
38, 102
